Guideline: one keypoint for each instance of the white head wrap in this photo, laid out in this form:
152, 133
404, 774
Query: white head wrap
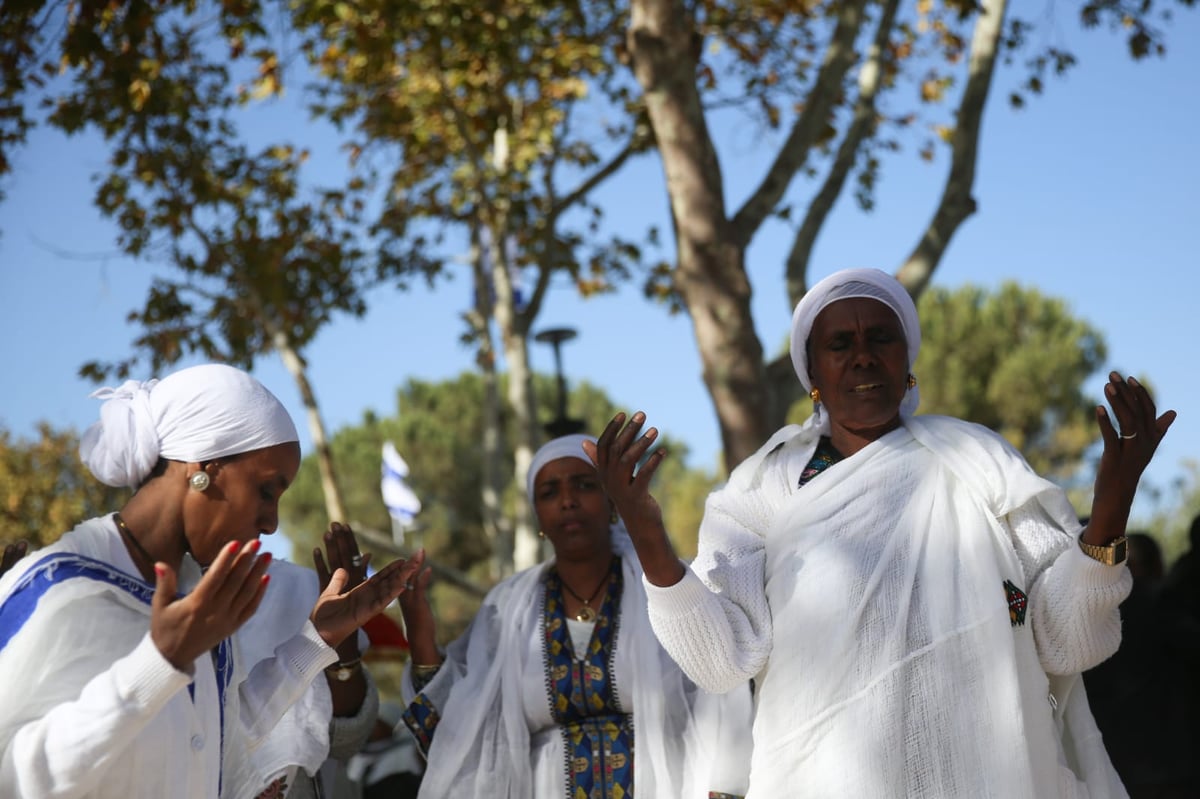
874, 284
196, 414
562, 447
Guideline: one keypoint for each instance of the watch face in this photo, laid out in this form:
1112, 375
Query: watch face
1120, 551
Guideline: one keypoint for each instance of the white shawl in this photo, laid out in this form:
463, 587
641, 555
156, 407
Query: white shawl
686, 742
920, 679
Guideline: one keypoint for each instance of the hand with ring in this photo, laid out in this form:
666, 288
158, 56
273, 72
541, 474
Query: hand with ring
348, 597
341, 551
419, 623
1131, 434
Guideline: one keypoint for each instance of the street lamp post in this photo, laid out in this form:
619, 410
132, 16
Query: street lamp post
560, 425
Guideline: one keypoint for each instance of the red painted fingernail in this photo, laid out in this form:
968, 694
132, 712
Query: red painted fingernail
266, 578
266, 557
159, 569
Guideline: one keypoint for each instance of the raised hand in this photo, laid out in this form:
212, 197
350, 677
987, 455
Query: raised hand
341, 610
419, 623
12, 553
616, 454
343, 553
1129, 446
183, 628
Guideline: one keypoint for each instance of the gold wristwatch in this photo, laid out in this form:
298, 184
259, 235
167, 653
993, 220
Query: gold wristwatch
1112, 555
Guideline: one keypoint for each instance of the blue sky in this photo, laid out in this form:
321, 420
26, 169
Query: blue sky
1091, 193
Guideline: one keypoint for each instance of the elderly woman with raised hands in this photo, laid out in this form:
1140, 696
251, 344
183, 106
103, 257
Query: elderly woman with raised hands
122, 671
559, 688
913, 602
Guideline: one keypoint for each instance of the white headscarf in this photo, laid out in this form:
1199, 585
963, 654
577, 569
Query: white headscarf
874, 284
196, 414
562, 447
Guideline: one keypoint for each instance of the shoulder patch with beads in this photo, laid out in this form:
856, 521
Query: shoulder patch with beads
1017, 603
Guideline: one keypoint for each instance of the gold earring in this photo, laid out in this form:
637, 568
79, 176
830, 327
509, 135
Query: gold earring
815, 394
912, 380
612, 517
199, 481
541, 534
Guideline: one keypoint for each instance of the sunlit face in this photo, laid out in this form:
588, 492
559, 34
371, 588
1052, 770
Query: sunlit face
858, 359
242, 502
572, 509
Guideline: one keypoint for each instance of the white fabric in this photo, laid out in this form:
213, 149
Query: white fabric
301, 738
497, 737
562, 447
90, 709
873, 284
870, 606
194, 415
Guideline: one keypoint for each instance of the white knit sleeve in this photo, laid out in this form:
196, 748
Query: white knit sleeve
1073, 599
715, 622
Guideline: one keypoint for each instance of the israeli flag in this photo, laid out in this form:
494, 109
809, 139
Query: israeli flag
402, 504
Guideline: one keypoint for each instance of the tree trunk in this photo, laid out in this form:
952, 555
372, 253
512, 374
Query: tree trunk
495, 526
334, 506
710, 274
514, 335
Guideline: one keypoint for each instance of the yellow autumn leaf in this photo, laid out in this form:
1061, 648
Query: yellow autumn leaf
139, 93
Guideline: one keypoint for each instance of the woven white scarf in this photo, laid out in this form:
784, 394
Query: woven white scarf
194, 415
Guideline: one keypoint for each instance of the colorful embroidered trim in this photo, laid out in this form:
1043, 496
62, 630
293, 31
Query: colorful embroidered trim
1017, 603
421, 718
597, 732
824, 457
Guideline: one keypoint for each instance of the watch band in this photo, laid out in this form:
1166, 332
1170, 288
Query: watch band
1111, 555
345, 670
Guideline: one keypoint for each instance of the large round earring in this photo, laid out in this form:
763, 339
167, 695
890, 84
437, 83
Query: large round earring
912, 380
199, 481
815, 394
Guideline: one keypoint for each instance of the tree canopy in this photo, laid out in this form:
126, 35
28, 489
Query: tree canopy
45, 490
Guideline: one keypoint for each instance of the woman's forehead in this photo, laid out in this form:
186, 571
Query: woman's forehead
855, 311
564, 467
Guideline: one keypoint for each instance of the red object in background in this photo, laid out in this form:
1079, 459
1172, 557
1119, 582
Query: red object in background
386, 636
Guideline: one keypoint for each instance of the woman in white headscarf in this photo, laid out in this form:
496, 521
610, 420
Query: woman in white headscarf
913, 602
559, 688
122, 677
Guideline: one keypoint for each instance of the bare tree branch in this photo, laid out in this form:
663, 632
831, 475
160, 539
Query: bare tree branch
957, 203
806, 131
869, 80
